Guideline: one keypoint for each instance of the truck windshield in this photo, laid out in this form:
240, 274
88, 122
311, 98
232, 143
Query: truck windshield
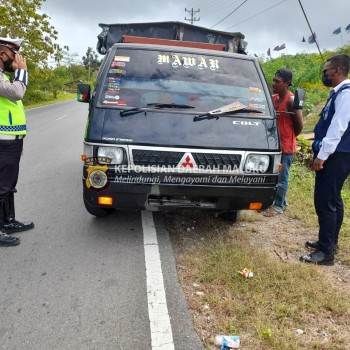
137, 78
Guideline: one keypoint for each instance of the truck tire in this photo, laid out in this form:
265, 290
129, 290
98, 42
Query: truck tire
231, 216
96, 211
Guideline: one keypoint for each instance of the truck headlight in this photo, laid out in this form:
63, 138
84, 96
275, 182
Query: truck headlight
114, 153
257, 163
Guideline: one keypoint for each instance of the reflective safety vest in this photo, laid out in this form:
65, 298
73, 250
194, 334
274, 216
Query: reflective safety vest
12, 116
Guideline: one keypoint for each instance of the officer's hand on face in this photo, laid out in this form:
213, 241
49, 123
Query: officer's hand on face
19, 62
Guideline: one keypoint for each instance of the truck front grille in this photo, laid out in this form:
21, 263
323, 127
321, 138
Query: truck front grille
156, 158
215, 161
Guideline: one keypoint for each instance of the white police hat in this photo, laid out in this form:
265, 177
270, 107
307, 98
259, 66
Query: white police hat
12, 44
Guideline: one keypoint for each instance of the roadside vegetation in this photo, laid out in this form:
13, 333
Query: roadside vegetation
52, 84
286, 304
54, 70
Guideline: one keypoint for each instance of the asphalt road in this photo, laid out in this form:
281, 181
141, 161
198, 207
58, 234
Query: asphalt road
75, 281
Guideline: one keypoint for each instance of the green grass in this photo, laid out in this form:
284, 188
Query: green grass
309, 123
266, 309
301, 195
60, 97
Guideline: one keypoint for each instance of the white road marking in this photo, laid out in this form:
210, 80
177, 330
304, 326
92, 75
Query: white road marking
161, 332
63, 116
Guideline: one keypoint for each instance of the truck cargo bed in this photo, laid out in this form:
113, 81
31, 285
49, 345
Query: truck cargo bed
113, 33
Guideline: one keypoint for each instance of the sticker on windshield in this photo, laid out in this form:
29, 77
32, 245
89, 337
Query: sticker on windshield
112, 87
256, 99
256, 105
115, 64
114, 80
180, 61
110, 95
255, 89
122, 58
117, 71
113, 83
118, 103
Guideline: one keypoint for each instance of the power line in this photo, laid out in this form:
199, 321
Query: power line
213, 7
230, 13
213, 11
247, 19
202, 3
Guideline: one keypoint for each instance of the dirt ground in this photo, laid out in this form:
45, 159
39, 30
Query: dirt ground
285, 237
282, 236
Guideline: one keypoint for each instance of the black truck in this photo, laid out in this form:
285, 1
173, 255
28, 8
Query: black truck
180, 119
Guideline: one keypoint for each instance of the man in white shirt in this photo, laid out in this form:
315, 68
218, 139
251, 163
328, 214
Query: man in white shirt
331, 160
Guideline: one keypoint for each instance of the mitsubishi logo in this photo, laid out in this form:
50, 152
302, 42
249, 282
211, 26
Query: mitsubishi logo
187, 161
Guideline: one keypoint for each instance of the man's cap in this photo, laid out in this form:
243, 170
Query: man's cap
12, 44
286, 74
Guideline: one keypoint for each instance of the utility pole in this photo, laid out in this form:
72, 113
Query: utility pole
192, 13
312, 33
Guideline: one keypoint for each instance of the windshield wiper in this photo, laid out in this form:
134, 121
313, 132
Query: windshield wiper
132, 111
169, 105
136, 110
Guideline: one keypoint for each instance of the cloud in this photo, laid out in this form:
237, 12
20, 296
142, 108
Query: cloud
77, 22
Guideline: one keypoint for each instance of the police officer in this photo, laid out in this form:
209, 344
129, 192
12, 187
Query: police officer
331, 160
12, 131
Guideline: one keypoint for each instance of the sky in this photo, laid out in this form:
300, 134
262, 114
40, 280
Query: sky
264, 23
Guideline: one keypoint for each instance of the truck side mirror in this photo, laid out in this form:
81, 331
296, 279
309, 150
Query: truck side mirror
83, 93
299, 97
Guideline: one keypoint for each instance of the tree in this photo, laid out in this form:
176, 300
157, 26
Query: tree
68, 59
20, 18
77, 72
91, 61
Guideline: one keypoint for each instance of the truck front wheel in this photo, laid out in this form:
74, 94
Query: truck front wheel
231, 216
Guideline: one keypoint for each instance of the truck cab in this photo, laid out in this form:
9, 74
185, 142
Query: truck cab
179, 125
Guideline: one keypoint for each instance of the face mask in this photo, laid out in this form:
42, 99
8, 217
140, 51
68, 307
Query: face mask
326, 81
8, 65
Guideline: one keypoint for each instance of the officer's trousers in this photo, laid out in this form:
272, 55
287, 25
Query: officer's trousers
327, 197
10, 156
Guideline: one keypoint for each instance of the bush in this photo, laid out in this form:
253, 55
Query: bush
304, 154
36, 96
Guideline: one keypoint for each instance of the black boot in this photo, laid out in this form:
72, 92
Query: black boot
5, 240
11, 224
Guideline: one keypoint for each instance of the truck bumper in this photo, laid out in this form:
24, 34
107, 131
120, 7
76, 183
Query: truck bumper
169, 197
